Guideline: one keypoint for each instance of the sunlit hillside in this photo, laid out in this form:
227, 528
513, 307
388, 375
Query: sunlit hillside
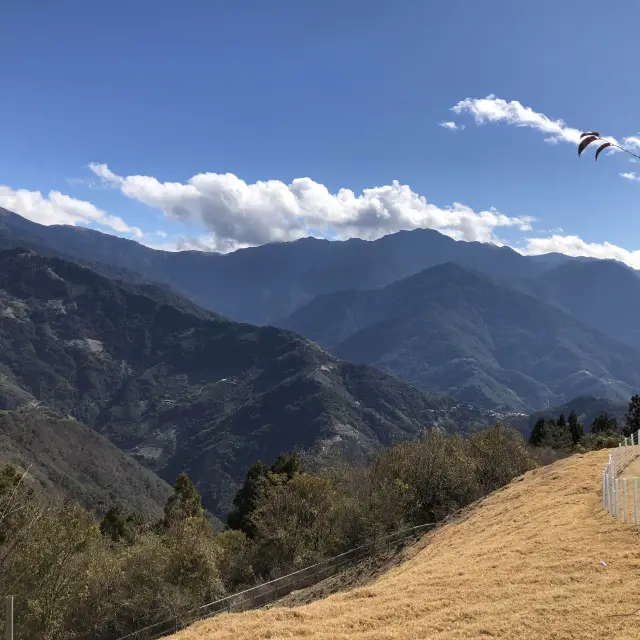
538, 559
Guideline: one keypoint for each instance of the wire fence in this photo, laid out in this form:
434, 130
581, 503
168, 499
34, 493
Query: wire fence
620, 495
268, 592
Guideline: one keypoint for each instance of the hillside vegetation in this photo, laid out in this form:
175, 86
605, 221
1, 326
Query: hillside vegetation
67, 458
526, 562
77, 579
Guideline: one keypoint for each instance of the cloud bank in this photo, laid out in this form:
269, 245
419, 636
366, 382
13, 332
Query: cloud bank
232, 214
238, 214
57, 208
575, 246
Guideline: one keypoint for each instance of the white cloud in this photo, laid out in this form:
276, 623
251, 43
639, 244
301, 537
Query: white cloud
104, 173
630, 176
57, 208
576, 246
631, 142
237, 214
493, 109
162, 234
451, 125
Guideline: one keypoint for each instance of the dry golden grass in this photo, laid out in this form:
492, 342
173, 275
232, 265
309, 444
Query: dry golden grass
524, 564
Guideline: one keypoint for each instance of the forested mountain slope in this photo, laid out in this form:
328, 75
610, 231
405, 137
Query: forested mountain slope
183, 389
459, 332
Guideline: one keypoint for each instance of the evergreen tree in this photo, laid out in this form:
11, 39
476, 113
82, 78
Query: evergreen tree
244, 500
632, 417
538, 433
118, 526
560, 435
575, 428
604, 424
184, 503
286, 466
113, 524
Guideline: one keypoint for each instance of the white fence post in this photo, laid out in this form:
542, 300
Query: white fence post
9, 620
612, 506
624, 499
635, 501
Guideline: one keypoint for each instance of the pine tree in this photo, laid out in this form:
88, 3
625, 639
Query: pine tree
575, 428
604, 424
538, 433
632, 417
286, 465
184, 503
244, 500
560, 436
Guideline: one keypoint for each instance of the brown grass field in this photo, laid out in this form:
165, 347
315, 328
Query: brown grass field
522, 564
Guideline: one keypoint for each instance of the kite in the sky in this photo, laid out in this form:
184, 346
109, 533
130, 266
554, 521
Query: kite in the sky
591, 136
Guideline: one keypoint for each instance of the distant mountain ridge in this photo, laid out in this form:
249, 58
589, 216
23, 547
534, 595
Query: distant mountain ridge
264, 284
459, 332
604, 294
267, 284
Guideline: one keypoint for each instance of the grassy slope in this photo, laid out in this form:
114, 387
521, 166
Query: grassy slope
523, 563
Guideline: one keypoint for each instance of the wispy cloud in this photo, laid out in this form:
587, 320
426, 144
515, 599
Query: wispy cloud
452, 126
630, 176
493, 110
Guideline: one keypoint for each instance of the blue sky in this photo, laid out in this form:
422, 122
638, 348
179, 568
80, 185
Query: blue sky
228, 124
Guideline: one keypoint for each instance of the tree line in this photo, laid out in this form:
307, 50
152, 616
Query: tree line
78, 577
569, 434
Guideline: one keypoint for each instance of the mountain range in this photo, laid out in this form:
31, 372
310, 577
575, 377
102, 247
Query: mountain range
182, 389
263, 284
459, 332
150, 349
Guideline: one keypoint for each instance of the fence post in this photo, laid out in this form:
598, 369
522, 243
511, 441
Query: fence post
624, 499
611, 490
9, 622
635, 501
604, 489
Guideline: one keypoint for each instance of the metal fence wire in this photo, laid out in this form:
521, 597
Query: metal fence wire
620, 495
268, 592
